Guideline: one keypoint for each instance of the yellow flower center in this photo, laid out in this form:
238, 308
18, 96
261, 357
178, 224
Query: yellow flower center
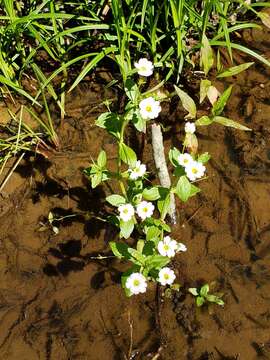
166, 276
166, 247
185, 161
136, 282
125, 211
194, 170
145, 209
148, 108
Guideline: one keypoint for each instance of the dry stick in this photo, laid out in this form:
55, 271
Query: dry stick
161, 166
11, 172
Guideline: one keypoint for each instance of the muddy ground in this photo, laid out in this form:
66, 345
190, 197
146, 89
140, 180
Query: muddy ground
58, 302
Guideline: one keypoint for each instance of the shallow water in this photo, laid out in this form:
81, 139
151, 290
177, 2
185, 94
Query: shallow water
57, 302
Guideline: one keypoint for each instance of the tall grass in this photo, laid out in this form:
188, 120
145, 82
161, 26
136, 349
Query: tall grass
55, 44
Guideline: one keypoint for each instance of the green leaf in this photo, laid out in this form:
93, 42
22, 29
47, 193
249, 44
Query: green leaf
157, 262
193, 291
140, 258
194, 190
235, 70
111, 122
137, 120
115, 200
140, 246
96, 179
183, 188
163, 203
215, 299
204, 86
206, 58
203, 121
120, 250
162, 224
153, 232
230, 123
131, 90
127, 155
102, 159
221, 102
149, 248
203, 158
204, 290
126, 228
151, 194
173, 156
187, 102
199, 301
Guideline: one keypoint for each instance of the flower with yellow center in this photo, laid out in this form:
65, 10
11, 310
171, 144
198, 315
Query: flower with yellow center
185, 159
144, 67
137, 171
136, 283
195, 170
166, 276
145, 209
126, 211
149, 108
167, 247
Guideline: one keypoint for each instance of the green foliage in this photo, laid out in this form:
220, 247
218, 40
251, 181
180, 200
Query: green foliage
203, 297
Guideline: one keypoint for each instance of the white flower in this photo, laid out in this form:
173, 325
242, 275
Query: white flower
166, 276
144, 67
181, 247
195, 170
136, 283
185, 159
137, 171
145, 209
167, 247
149, 108
126, 211
190, 128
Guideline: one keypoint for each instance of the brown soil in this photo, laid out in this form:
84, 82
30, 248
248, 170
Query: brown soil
57, 302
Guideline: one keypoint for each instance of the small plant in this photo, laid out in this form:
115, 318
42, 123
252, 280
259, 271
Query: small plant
51, 221
140, 209
203, 297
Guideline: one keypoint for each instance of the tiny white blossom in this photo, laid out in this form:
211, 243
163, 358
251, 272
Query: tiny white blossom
136, 283
145, 209
181, 247
195, 170
126, 211
144, 67
190, 128
166, 276
167, 247
149, 108
185, 159
137, 171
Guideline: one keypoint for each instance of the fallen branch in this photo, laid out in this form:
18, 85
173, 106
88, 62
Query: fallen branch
161, 166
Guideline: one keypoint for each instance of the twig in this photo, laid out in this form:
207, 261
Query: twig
161, 166
11, 172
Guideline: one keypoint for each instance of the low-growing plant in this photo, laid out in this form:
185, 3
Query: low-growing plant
203, 297
140, 208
